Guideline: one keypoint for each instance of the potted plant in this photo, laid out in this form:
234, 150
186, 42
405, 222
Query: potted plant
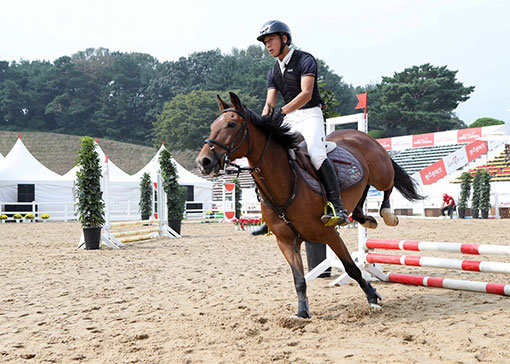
238, 196
45, 217
485, 194
90, 205
145, 197
29, 217
176, 194
17, 217
465, 191
3, 217
475, 202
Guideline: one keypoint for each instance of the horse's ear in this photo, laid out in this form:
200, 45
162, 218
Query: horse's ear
222, 104
236, 103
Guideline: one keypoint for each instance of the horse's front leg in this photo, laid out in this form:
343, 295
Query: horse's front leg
293, 257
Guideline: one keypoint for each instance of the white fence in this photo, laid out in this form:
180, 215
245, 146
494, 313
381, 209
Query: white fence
58, 211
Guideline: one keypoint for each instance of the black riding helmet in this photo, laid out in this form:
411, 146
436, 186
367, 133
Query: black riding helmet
275, 27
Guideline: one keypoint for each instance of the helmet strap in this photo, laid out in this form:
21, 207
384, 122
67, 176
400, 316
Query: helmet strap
282, 46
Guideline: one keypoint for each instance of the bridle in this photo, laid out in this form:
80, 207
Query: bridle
268, 197
244, 130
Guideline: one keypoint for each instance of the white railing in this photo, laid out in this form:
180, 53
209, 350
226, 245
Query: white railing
58, 211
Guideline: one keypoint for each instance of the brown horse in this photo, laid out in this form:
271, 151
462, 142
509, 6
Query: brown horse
291, 210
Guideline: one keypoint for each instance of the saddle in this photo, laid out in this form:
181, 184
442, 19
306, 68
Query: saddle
348, 169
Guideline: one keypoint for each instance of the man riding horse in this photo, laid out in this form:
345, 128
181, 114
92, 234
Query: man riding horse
294, 75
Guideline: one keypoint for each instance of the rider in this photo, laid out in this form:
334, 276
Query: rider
294, 75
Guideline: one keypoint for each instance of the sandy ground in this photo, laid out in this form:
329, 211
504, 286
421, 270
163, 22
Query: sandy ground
221, 296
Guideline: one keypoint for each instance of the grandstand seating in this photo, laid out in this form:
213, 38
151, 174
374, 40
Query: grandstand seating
498, 168
415, 159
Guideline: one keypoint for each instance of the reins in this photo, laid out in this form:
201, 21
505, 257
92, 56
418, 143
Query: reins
268, 200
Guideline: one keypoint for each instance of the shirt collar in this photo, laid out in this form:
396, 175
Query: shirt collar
285, 60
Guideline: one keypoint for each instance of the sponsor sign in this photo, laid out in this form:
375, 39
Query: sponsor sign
476, 149
385, 142
433, 173
468, 135
402, 142
456, 160
423, 140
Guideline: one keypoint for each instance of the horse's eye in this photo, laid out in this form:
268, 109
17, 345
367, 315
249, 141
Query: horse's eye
231, 124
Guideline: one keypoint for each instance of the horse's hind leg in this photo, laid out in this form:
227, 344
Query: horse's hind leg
358, 213
337, 244
296, 264
389, 217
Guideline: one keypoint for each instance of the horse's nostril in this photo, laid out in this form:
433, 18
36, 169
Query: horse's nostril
206, 161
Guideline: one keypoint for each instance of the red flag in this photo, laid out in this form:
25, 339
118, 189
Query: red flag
362, 102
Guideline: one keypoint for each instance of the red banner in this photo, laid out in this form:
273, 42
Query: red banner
423, 140
433, 172
476, 149
468, 135
385, 142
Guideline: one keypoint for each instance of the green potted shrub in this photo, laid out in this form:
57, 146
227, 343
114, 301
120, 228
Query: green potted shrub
176, 194
238, 197
90, 203
475, 202
145, 197
465, 191
485, 194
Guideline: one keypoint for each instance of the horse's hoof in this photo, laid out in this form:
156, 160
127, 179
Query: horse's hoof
370, 223
389, 218
375, 306
302, 314
373, 297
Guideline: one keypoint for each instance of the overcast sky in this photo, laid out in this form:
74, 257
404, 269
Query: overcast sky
360, 40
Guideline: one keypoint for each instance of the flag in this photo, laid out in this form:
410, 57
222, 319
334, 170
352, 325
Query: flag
362, 103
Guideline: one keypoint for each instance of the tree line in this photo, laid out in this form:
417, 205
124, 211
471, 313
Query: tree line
133, 97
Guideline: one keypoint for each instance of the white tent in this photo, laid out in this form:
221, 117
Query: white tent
123, 191
53, 193
202, 188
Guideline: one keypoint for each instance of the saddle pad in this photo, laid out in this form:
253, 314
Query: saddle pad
349, 170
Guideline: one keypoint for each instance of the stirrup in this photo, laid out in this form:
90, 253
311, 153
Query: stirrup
330, 220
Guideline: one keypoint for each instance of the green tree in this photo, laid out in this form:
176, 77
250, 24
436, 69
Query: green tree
176, 194
486, 122
238, 196
185, 120
145, 203
419, 99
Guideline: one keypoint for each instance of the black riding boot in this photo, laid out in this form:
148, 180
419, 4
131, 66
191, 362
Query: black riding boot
330, 180
262, 230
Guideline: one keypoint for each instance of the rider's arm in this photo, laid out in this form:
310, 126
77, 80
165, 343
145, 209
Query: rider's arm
303, 97
271, 97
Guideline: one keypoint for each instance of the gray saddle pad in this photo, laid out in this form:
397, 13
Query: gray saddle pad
349, 173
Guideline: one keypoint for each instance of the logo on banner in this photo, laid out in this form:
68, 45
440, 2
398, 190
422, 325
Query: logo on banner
476, 149
433, 173
423, 140
385, 142
468, 135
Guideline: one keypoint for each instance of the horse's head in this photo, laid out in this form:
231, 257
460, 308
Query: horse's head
229, 138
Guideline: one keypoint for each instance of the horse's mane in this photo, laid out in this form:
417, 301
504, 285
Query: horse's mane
280, 132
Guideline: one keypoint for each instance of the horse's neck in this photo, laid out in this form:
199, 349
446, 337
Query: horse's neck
275, 173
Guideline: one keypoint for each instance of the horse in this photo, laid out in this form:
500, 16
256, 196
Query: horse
291, 210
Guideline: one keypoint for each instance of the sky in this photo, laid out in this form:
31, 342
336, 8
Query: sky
362, 41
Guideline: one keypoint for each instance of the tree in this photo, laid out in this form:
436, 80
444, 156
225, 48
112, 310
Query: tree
419, 99
486, 122
185, 120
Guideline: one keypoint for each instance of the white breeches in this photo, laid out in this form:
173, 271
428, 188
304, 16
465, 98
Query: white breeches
310, 124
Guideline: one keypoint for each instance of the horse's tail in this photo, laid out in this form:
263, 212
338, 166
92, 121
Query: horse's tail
405, 184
